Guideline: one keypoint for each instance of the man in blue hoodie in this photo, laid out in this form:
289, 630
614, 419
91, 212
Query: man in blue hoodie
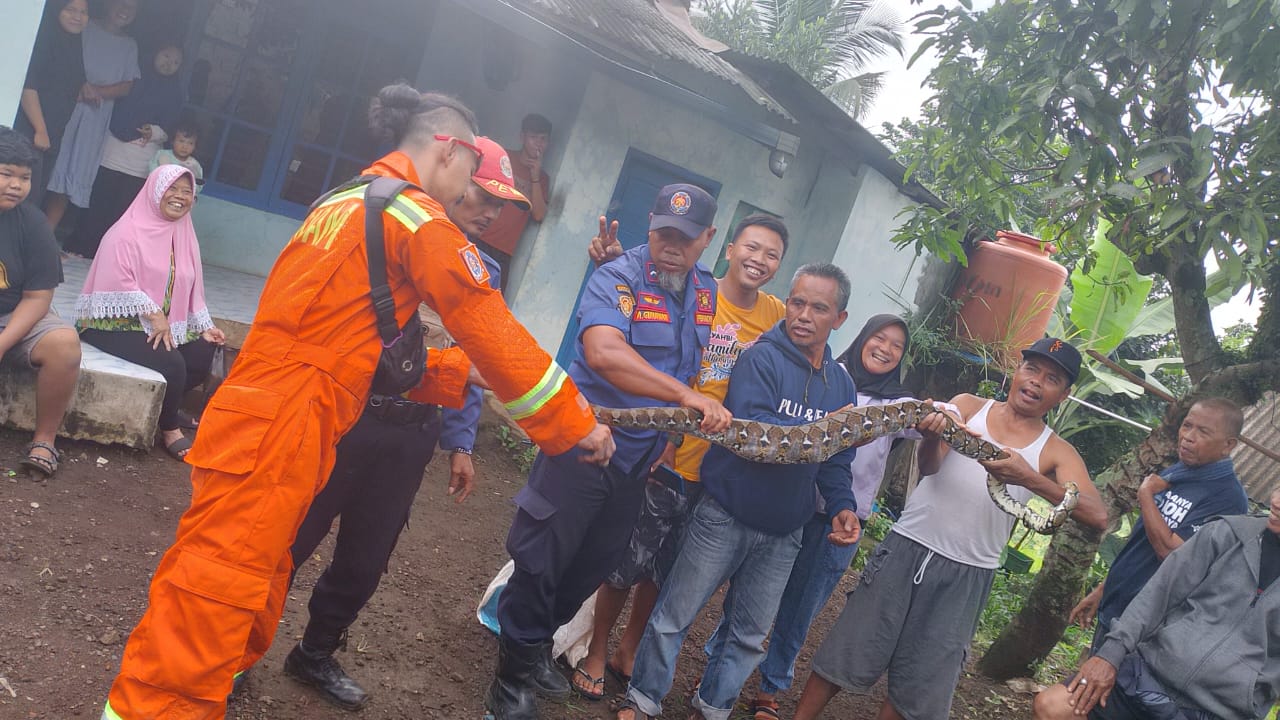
747, 527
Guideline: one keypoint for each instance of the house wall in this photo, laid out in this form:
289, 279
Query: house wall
21, 21
881, 274
598, 118
814, 197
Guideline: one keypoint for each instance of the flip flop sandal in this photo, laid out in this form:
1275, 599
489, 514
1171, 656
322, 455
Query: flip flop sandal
597, 685
764, 709
178, 448
40, 464
186, 421
617, 674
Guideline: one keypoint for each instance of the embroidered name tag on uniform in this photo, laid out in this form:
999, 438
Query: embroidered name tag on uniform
471, 258
650, 315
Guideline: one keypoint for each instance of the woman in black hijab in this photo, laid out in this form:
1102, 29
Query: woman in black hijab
54, 78
875, 358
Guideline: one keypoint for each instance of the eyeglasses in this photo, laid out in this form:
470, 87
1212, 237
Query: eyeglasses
479, 153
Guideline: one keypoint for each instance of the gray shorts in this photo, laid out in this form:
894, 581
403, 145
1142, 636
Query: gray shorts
21, 353
652, 549
913, 616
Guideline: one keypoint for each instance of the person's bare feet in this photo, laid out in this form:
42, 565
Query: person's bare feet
621, 667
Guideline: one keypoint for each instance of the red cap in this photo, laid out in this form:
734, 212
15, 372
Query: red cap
494, 175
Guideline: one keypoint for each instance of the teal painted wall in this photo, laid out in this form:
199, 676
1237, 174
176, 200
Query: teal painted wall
21, 21
239, 237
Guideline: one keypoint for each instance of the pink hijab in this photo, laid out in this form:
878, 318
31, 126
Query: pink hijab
130, 273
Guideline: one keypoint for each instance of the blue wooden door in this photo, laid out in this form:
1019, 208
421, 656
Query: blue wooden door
638, 184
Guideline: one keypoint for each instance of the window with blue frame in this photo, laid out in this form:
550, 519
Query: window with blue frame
281, 89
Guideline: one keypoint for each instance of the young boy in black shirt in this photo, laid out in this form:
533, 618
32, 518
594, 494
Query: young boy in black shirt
31, 334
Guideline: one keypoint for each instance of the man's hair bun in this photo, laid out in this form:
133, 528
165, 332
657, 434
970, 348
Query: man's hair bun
392, 112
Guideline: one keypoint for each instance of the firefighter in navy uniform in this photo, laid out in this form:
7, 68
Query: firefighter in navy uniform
644, 320
378, 472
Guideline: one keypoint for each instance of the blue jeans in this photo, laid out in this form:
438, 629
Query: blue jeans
817, 571
716, 548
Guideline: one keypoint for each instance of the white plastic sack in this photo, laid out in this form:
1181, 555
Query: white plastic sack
571, 639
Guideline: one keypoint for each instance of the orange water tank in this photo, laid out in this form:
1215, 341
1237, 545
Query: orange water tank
1008, 291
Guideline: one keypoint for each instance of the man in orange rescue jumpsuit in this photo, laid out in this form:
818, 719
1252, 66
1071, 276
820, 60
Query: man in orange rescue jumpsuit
267, 440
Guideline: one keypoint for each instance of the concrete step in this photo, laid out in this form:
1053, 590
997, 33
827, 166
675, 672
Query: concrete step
117, 401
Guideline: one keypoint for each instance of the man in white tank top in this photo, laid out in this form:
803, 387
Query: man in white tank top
923, 589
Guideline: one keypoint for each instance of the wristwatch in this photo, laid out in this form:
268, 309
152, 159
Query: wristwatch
464, 451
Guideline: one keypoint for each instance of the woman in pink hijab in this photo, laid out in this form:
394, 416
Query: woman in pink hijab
143, 300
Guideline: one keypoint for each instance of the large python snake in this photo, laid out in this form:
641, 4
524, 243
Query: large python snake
818, 440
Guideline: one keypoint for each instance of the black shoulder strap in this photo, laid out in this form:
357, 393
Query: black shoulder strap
377, 196
355, 182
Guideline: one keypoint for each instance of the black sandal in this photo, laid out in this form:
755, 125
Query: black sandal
179, 448
596, 684
45, 466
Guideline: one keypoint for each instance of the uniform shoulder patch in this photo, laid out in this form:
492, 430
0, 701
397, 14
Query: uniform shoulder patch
626, 301
471, 258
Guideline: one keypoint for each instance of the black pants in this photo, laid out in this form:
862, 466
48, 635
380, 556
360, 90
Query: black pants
183, 368
571, 530
113, 192
377, 473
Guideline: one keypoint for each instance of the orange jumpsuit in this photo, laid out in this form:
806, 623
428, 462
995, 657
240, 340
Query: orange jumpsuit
267, 439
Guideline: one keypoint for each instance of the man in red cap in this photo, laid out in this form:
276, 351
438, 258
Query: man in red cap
378, 472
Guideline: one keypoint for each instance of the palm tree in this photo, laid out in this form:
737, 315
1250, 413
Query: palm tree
825, 41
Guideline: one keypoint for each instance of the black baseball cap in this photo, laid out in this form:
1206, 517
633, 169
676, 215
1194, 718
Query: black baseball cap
687, 208
1062, 353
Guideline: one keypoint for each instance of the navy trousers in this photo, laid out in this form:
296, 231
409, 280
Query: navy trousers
377, 474
571, 530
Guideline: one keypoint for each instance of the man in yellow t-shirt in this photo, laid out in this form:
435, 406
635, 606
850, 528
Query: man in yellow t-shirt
743, 313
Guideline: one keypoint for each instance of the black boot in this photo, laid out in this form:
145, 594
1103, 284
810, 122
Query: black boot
511, 695
318, 668
547, 680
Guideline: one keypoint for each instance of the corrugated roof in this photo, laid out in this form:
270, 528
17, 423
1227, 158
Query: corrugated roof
1259, 473
637, 27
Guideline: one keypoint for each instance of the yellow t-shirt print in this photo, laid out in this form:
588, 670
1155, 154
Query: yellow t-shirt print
4, 277
732, 330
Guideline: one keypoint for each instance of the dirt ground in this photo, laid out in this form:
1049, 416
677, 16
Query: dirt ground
76, 555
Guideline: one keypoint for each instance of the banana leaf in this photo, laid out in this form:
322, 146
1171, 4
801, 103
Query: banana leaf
1108, 298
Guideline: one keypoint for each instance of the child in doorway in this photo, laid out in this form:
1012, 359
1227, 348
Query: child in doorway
182, 151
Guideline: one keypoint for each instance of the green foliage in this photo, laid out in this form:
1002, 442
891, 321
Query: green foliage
1008, 593
1236, 340
1053, 115
874, 530
825, 41
1106, 294
521, 451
